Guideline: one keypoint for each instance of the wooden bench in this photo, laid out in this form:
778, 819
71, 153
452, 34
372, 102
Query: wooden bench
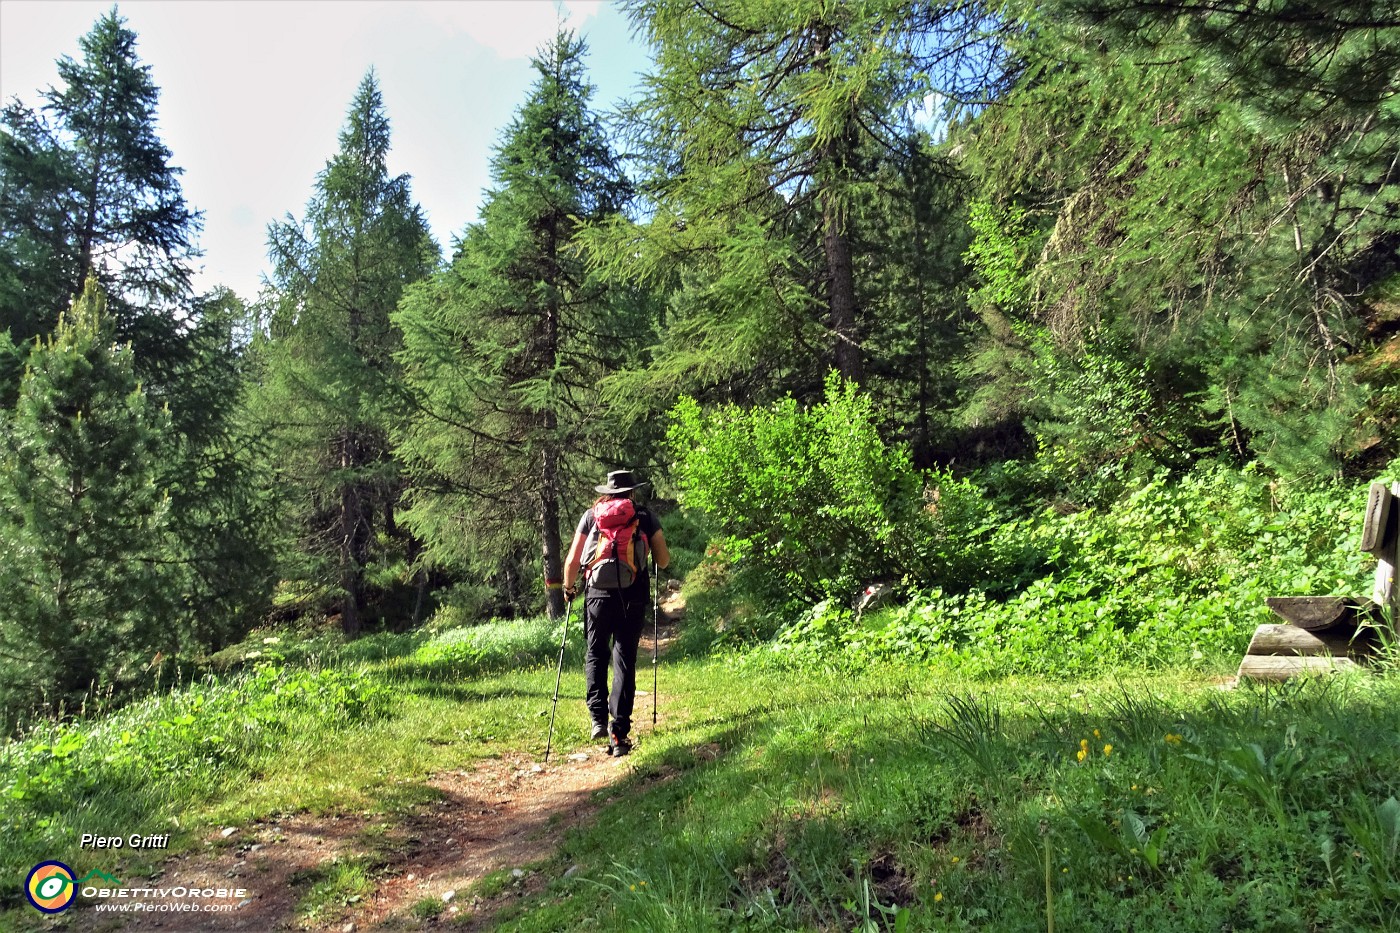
1332, 633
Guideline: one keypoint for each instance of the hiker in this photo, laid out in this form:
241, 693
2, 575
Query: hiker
611, 549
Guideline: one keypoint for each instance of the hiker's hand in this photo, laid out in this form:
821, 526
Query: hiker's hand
570, 592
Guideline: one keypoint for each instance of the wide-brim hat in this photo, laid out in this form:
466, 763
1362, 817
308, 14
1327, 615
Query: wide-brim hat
619, 481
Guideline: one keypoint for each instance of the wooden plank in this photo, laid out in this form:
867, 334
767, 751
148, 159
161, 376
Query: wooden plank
1290, 640
1269, 667
1373, 527
1385, 592
1314, 613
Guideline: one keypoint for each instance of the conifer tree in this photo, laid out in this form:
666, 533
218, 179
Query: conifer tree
504, 350
329, 386
87, 191
86, 188
216, 473
1187, 230
757, 127
87, 584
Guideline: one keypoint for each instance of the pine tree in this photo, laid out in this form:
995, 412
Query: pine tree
217, 476
86, 188
87, 191
909, 228
329, 394
87, 584
504, 350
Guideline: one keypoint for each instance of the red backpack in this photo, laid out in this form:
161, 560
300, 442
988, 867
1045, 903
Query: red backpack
615, 551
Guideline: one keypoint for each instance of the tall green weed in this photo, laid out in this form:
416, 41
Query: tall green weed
139, 767
1176, 571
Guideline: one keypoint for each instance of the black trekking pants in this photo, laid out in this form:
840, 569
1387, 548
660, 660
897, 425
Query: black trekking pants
612, 626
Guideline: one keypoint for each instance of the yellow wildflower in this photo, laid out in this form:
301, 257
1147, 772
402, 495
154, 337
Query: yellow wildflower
1080, 754
1107, 750
955, 860
1172, 739
1096, 734
938, 897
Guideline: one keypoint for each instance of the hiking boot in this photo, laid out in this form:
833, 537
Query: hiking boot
600, 731
618, 746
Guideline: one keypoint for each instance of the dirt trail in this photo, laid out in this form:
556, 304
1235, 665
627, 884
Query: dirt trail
499, 814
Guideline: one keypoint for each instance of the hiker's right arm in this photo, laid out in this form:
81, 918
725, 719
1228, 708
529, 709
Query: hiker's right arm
572, 564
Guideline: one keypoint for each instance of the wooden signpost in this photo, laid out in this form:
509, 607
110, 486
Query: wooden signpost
1329, 633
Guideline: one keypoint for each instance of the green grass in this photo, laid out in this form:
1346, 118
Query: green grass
839, 803
793, 797
358, 728
333, 887
427, 908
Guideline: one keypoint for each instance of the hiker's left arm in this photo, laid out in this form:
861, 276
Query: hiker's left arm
658, 549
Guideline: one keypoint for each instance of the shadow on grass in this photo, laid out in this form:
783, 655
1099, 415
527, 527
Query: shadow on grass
469, 692
819, 812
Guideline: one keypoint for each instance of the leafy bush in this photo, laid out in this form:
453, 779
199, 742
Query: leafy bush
810, 503
1176, 571
686, 538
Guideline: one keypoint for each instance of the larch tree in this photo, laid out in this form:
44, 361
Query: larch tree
504, 350
1184, 235
756, 127
329, 382
87, 191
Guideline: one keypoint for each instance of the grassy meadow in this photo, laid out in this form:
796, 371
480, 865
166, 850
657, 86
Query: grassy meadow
775, 795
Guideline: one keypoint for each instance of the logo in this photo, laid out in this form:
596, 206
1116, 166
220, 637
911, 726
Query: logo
50, 887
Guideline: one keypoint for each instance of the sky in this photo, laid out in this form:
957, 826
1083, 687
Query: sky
255, 92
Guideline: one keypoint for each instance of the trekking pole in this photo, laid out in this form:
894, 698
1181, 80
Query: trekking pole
558, 678
655, 626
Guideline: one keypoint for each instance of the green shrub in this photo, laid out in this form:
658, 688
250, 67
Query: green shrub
1175, 571
810, 502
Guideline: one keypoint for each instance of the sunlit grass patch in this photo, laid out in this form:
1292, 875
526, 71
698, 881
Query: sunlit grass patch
334, 886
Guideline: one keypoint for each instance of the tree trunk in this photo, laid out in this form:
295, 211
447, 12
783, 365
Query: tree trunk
87, 234
350, 522
841, 287
551, 544
832, 173
923, 459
